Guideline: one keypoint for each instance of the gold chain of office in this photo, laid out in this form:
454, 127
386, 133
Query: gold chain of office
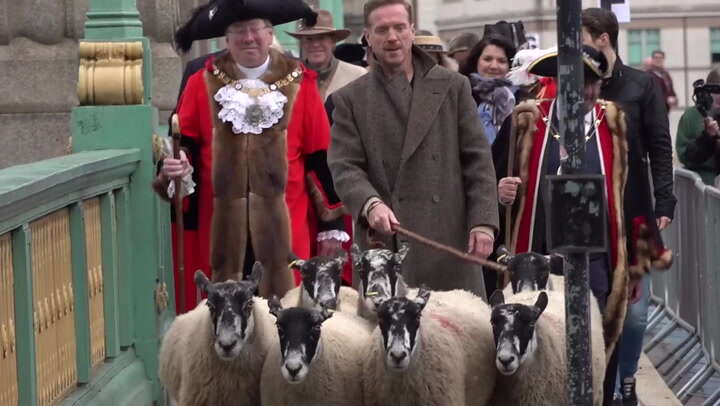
255, 92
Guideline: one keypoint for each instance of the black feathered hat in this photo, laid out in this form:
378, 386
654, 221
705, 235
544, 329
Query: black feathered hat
596, 65
212, 19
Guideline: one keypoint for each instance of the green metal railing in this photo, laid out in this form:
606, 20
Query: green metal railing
69, 323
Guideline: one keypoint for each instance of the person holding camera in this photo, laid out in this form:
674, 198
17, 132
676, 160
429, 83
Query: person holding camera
698, 136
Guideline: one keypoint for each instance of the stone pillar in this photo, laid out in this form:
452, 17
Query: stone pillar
39, 64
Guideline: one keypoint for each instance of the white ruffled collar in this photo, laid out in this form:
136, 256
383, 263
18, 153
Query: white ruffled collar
250, 114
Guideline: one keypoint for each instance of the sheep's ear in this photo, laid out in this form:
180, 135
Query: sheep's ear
256, 274
298, 264
401, 288
202, 282
356, 256
541, 303
497, 298
422, 297
341, 258
556, 262
275, 306
402, 253
503, 255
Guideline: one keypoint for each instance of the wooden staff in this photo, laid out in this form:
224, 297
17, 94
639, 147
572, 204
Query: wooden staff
504, 277
179, 221
450, 250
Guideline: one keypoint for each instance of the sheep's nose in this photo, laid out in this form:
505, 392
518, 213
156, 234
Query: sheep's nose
228, 345
506, 360
398, 356
293, 370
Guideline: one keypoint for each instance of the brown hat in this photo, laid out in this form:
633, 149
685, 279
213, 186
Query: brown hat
324, 26
713, 78
463, 42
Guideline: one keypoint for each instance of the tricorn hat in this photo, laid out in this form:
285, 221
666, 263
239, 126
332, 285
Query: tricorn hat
323, 26
596, 65
513, 32
212, 19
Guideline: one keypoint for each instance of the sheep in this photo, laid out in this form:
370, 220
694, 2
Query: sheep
320, 287
213, 355
529, 332
530, 271
377, 271
318, 360
425, 352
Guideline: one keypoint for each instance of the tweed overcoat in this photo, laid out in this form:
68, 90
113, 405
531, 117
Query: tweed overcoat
443, 183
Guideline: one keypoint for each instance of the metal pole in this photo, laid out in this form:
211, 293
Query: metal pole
570, 115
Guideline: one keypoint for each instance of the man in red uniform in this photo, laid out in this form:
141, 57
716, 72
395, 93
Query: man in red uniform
256, 131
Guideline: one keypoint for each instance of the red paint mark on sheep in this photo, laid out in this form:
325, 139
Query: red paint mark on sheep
446, 323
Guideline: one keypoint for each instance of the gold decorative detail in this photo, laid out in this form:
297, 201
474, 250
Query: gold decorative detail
237, 84
158, 148
161, 297
111, 73
93, 241
54, 319
8, 365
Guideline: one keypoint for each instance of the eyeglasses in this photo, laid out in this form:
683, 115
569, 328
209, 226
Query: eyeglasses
253, 31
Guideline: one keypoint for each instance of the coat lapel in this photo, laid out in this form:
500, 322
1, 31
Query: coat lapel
375, 118
428, 95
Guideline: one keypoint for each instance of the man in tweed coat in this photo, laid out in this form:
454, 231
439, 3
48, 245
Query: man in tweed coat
407, 149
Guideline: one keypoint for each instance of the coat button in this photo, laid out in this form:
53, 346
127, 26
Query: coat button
436, 198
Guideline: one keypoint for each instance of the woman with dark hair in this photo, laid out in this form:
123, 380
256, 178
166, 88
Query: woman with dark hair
487, 67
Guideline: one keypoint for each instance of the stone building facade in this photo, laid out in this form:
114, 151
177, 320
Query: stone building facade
39, 63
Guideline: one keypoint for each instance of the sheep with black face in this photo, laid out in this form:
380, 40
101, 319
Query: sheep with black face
377, 270
213, 355
430, 352
321, 285
530, 271
529, 331
318, 359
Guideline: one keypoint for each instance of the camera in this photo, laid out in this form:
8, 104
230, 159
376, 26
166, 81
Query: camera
702, 96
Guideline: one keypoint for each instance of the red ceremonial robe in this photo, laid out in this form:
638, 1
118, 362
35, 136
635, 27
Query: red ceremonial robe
308, 132
530, 121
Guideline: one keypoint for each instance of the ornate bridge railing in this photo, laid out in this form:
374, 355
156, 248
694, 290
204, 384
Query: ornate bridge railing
69, 291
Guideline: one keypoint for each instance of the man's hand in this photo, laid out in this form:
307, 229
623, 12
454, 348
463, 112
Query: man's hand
480, 244
381, 218
663, 222
507, 190
672, 101
635, 291
174, 168
329, 248
711, 127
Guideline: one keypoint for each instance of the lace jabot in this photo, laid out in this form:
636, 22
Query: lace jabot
250, 114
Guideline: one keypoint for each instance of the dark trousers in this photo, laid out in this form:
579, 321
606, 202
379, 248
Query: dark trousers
600, 286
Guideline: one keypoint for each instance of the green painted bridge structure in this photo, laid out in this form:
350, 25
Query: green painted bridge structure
86, 282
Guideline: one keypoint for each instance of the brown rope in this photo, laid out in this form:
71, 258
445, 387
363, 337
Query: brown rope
450, 250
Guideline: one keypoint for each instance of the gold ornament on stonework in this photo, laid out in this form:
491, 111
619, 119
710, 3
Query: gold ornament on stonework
111, 73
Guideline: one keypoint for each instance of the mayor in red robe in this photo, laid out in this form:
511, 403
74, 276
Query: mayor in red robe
263, 191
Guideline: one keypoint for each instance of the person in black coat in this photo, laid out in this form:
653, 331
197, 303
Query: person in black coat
649, 143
